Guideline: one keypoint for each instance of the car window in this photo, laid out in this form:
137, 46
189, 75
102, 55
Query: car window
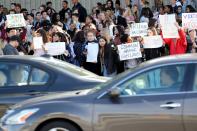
161, 80
38, 77
13, 74
69, 68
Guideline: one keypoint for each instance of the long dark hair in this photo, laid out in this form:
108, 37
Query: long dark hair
54, 19
191, 8
43, 34
61, 36
104, 38
79, 37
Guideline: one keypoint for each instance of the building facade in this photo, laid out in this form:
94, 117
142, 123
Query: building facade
57, 4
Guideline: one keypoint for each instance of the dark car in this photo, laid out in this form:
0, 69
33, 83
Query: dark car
159, 95
24, 77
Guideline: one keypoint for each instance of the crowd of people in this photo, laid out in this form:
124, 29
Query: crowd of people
77, 29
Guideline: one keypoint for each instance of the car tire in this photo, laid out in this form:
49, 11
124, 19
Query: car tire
59, 126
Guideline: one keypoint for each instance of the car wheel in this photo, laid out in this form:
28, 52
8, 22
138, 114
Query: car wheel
59, 126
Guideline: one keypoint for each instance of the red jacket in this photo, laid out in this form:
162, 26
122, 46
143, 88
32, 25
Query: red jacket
178, 45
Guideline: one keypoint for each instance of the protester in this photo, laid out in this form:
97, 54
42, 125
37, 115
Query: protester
78, 8
177, 45
107, 58
11, 47
152, 52
60, 37
79, 46
40, 33
191, 41
64, 10
92, 40
92, 65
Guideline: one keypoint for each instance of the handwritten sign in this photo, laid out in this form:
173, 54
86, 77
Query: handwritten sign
15, 20
129, 51
37, 42
138, 29
153, 42
92, 49
189, 20
169, 29
56, 48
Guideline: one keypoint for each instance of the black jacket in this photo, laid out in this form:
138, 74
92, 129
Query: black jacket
81, 10
62, 13
110, 58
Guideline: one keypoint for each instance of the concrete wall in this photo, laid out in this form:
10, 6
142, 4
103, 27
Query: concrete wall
57, 4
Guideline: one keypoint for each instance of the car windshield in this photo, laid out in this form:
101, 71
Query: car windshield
68, 67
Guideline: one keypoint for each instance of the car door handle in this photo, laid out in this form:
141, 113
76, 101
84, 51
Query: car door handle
171, 105
32, 93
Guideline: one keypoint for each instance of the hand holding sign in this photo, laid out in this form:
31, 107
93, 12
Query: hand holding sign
92, 52
15, 20
56, 48
38, 43
169, 29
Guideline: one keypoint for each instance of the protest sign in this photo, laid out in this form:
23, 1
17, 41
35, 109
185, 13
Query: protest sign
37, 42
189, 20
15, 20
92, 49
138, 29
129, 51
153, 41
169, 29
55, 48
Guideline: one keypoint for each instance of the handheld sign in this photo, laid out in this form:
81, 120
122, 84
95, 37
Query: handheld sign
92, 49
129, 51
15, 20
189, 20
56, 48
153, 42
138, 29
37, 42
169, 29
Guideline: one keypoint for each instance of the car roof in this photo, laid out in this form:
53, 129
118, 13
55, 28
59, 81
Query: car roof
172, 59
48, 60
24, 57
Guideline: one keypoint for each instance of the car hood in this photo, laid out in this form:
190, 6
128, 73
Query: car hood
51, 97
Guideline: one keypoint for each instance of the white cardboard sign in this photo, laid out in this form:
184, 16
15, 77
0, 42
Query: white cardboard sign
138, 29
153, 42
169, 29
15, 20
56, 48
129, 51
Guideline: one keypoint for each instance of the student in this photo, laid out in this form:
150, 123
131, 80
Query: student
41, 33
79, 43
152, 53
60, 37
91, 39
177, 45
11, 47
191, 41
107, 58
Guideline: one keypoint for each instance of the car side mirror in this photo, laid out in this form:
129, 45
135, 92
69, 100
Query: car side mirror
114, 93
